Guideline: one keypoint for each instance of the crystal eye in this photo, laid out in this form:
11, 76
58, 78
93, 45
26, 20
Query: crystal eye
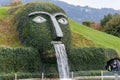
62, 21
39, 19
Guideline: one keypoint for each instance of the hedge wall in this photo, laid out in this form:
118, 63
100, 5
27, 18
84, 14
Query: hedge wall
40, 35
90, 58
19, 59
29, 60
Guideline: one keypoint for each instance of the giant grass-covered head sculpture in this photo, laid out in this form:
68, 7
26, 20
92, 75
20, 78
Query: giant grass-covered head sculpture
40, 23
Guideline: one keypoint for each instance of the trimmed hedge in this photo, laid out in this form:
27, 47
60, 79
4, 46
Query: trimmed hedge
29, 60
19, 59
90, 58
25, 60
40, 35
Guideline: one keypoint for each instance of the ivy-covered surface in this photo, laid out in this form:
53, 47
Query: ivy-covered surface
29, 60
40, 35
90, 58
19, 59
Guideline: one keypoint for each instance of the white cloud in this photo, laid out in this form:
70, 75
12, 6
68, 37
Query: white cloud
115, 4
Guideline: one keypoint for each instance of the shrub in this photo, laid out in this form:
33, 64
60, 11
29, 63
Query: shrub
86, 23
91, 58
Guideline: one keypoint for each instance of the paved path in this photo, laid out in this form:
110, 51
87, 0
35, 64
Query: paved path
76, 78
37, 79
94, 77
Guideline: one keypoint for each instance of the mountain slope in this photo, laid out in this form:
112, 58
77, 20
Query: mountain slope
81, 13
77, 13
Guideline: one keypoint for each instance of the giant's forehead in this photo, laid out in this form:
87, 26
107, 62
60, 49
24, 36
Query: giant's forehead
43, 6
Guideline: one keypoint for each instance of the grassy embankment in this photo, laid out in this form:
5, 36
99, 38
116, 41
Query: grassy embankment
97, 37
8, 34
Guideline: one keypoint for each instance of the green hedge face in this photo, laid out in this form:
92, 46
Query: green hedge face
37, 30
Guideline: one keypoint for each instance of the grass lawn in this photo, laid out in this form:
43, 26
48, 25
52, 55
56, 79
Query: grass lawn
3, 11
98, 37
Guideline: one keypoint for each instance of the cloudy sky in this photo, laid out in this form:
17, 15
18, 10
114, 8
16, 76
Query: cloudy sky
115, 4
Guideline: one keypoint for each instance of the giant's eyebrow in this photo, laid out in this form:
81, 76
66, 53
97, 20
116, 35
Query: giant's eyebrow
60, 14
41, 12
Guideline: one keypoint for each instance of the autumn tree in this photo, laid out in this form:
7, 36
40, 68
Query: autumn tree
96, 26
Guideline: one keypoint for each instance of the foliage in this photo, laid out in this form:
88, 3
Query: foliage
89, 58
19, 59
28, 60
105, 20
92, 24
25, 60
113, 26
39, 35
110, 24
96, 26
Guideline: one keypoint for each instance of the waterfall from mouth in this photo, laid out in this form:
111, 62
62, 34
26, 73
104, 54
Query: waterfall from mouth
62, 60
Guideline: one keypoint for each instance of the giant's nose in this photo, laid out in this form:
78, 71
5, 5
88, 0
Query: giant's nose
57, 32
